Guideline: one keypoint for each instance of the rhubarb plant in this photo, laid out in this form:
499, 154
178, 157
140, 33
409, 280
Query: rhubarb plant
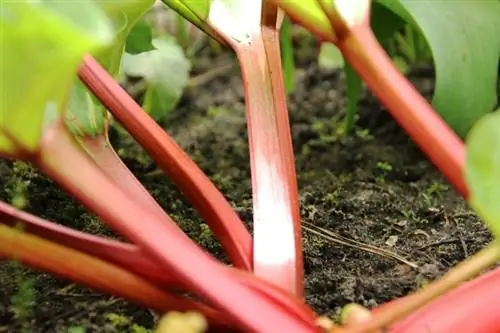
58, 121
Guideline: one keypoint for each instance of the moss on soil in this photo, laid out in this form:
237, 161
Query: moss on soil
373, 186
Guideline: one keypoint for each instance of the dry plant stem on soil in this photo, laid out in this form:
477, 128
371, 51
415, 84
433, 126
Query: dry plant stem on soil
106, 158
362, 50
277, 237
200, 191
336, 238
130, 257
465, 270
98, 274
167, 244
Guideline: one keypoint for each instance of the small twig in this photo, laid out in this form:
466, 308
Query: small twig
334, 237
431, 259
439, 243
464, 246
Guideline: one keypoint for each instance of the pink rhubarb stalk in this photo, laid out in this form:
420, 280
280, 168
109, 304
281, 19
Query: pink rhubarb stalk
200, 191
276, 216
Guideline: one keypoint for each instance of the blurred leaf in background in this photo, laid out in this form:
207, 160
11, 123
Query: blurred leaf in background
164, 72
481, 169
463, 38
140, 38
330, 57
42, 46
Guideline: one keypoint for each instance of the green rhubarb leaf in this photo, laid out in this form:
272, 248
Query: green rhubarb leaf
165, 71
200, 8
482, 173
196, 12
140, 38
310, 15
42, 46
84, 117
124, 15
463, 38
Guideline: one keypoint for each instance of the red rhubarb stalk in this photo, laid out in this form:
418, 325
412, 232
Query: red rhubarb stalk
276, 216
200, 191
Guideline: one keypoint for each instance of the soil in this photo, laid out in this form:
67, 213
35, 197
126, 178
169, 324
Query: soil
373, 186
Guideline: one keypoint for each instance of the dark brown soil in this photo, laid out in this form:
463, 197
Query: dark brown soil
409, 210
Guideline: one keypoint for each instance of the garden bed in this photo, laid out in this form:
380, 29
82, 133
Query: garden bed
373, 186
